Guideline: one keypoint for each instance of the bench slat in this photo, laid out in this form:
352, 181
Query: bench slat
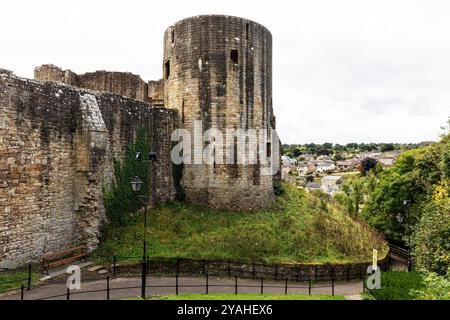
61, 252
66, 260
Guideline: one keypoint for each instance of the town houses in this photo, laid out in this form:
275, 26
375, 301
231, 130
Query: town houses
325, 172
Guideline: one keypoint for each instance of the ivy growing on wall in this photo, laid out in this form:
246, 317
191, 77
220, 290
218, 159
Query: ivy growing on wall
120, 199
177, 174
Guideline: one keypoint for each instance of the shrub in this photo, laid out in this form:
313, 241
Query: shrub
398, 285
278, 188
432, 249
436, 288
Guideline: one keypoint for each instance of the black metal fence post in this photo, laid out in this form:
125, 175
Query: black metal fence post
262, 285
332, 286
68, 294
29, 278
178, 266
286, 286
176, 284
207, 283
389, 261
253, 270
143, 278
296, 277
114, 265
348, 273
203, 266
235, 285
107, 287
22, 289
309, 286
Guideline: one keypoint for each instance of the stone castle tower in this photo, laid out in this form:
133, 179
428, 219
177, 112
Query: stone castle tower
218, 70
62, 131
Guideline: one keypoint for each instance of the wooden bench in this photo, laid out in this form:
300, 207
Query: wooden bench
63, 257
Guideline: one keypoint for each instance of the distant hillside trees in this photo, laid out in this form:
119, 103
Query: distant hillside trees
328, 148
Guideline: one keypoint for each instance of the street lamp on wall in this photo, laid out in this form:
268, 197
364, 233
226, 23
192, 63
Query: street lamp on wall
401, 219
136, 186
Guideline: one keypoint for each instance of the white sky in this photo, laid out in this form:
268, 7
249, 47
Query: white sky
344, 71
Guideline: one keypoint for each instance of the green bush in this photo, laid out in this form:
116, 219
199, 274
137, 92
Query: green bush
436, 288
432, 241
397, 285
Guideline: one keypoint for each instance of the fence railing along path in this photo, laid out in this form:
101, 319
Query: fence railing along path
129, 287
246, 276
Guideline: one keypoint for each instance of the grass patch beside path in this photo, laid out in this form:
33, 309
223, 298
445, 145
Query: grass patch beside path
301, 226
13, 281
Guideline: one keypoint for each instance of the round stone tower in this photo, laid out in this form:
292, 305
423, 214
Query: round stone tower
218, 70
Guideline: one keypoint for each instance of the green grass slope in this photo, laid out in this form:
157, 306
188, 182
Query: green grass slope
299, 227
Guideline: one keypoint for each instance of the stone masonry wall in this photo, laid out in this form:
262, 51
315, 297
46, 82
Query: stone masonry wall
50, 72
56, 149
218, 69
122, 83
156, 91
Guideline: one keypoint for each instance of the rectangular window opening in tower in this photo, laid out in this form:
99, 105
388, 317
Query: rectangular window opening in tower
172, 35
234, 56
269, 149
167, 69
247, 31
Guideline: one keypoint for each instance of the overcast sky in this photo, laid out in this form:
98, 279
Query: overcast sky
343, 71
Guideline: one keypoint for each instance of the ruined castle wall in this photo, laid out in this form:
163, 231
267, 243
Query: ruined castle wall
123, 83
156, 90
49, 72
218, 69
56, 149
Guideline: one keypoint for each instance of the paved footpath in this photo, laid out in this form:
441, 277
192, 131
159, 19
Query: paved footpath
122, 288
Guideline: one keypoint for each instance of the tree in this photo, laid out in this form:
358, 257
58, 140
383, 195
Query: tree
388, 200
357, 194
351, 146
378, 168
338, 157
296, 152
432, 241
387, 147
354, 192
368, 164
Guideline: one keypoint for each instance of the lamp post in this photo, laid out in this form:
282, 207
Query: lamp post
401, 218
136, 186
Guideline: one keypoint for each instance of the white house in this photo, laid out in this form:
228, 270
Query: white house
325, 166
